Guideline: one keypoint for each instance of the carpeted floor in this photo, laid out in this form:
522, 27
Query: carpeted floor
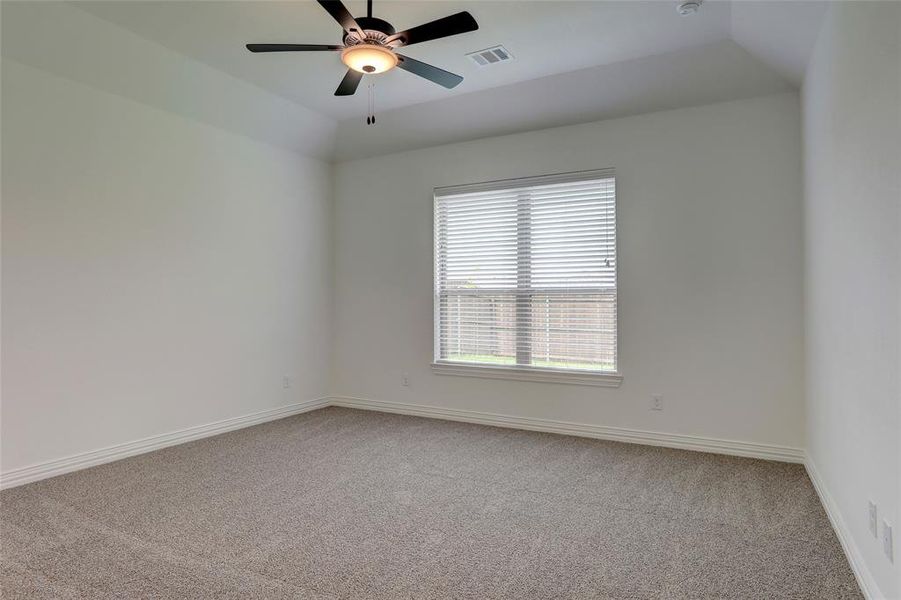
340, 503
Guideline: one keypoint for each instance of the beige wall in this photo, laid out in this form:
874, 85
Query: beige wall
709, 221
158, 273
852, 149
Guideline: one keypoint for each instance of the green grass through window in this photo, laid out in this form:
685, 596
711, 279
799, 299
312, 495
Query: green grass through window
490, 359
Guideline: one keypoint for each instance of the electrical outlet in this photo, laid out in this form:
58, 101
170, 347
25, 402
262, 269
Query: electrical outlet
656, 401
405, 380
286, 382
874, 519
887, 541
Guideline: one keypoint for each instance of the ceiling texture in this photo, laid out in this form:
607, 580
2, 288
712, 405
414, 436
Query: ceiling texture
573, 61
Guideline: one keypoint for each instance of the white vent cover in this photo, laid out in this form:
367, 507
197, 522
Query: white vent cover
490, 56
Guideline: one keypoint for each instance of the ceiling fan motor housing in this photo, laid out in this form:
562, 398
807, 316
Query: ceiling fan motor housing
374, 29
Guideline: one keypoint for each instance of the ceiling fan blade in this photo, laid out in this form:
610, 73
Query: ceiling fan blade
340, 13
348, 85
452, 25
439, 76
290, 47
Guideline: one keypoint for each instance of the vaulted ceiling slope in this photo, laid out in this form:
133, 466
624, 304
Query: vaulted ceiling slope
573, 62
59, 38
715, 72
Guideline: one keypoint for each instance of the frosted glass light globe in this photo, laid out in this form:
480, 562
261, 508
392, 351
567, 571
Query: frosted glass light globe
369, 58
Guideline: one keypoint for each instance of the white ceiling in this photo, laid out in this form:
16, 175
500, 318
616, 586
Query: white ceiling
715, 72
575, 62
547, 38
779, 33
58, 38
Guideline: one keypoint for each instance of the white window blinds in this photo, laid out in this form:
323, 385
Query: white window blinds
525, 273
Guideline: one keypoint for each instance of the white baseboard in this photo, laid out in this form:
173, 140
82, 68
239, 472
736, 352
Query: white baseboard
76, 462
618, 434
865, 579
68, 464
84, 460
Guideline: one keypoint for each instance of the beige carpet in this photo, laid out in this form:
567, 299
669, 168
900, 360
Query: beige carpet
340, 503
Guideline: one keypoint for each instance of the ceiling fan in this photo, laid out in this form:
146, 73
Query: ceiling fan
370, 45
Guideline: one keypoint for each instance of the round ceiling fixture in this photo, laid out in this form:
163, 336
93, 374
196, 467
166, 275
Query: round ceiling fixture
689, 7
369, 58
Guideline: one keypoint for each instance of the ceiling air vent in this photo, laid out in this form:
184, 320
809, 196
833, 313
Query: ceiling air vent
490, 56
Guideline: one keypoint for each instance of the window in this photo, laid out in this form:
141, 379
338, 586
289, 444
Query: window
525, 279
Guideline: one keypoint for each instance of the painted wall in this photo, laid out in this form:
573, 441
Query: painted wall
852, 150
158, 272
710, 266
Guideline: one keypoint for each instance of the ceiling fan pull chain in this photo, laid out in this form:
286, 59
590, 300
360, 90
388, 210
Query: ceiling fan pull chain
370, 117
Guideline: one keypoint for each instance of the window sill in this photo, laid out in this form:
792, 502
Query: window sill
528, 374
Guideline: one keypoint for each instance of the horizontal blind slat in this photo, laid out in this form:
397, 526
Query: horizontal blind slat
528, 265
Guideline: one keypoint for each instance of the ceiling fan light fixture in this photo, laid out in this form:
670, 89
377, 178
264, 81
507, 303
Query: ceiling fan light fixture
369, 58
368, 45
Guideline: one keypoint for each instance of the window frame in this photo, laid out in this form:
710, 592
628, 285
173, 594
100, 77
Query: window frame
518, 371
